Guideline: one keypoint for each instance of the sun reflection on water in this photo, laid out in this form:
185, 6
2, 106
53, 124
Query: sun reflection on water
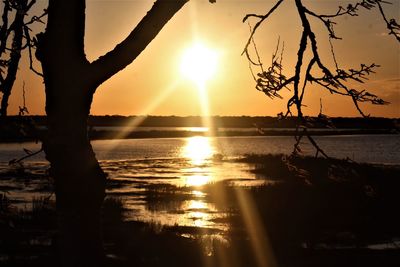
196, 205
197, 180
198, 150
197, 213
198, 193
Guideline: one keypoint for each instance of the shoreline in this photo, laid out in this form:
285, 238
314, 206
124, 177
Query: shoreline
132, 134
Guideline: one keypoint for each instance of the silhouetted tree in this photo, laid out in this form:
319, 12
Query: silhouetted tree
70, 83
14, 37
272, 80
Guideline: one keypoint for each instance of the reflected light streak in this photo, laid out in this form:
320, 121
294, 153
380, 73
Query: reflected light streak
196, 204
197, 180
198, 129
198, 150
198, 193
196, 213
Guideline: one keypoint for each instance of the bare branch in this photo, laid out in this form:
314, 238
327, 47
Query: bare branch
28, 155
31, 43
35, 19
124, 53
392, 25
272, 80
262, 18
4, 28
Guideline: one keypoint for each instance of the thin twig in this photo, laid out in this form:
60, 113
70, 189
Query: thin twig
16, 161
262, 18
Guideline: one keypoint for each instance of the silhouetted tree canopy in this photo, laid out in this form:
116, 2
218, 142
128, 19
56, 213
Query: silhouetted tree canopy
15, 36
271, 80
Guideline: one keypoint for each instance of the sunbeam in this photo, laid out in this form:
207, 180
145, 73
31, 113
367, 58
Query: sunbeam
199, 63
254, 226
123, 133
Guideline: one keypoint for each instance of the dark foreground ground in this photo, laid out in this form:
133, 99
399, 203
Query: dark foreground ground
316, 212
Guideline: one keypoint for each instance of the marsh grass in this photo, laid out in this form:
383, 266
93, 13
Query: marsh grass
317, 213
113, 210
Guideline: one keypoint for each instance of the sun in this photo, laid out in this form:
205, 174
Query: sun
199, 63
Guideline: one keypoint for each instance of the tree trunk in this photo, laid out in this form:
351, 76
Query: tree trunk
70, 82
79, 181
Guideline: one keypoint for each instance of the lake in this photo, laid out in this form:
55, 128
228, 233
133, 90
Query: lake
143, 171
362, 148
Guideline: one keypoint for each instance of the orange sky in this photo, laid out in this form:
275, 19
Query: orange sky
154, 85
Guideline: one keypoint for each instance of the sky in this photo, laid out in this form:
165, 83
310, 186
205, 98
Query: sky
154, 85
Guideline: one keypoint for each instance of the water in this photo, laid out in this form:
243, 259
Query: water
362, 148
163, 180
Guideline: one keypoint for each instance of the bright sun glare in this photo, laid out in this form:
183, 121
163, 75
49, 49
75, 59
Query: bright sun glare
198, 149
199, 63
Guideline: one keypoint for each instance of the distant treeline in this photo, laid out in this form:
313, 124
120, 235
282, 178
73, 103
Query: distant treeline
223, 122
30, 128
